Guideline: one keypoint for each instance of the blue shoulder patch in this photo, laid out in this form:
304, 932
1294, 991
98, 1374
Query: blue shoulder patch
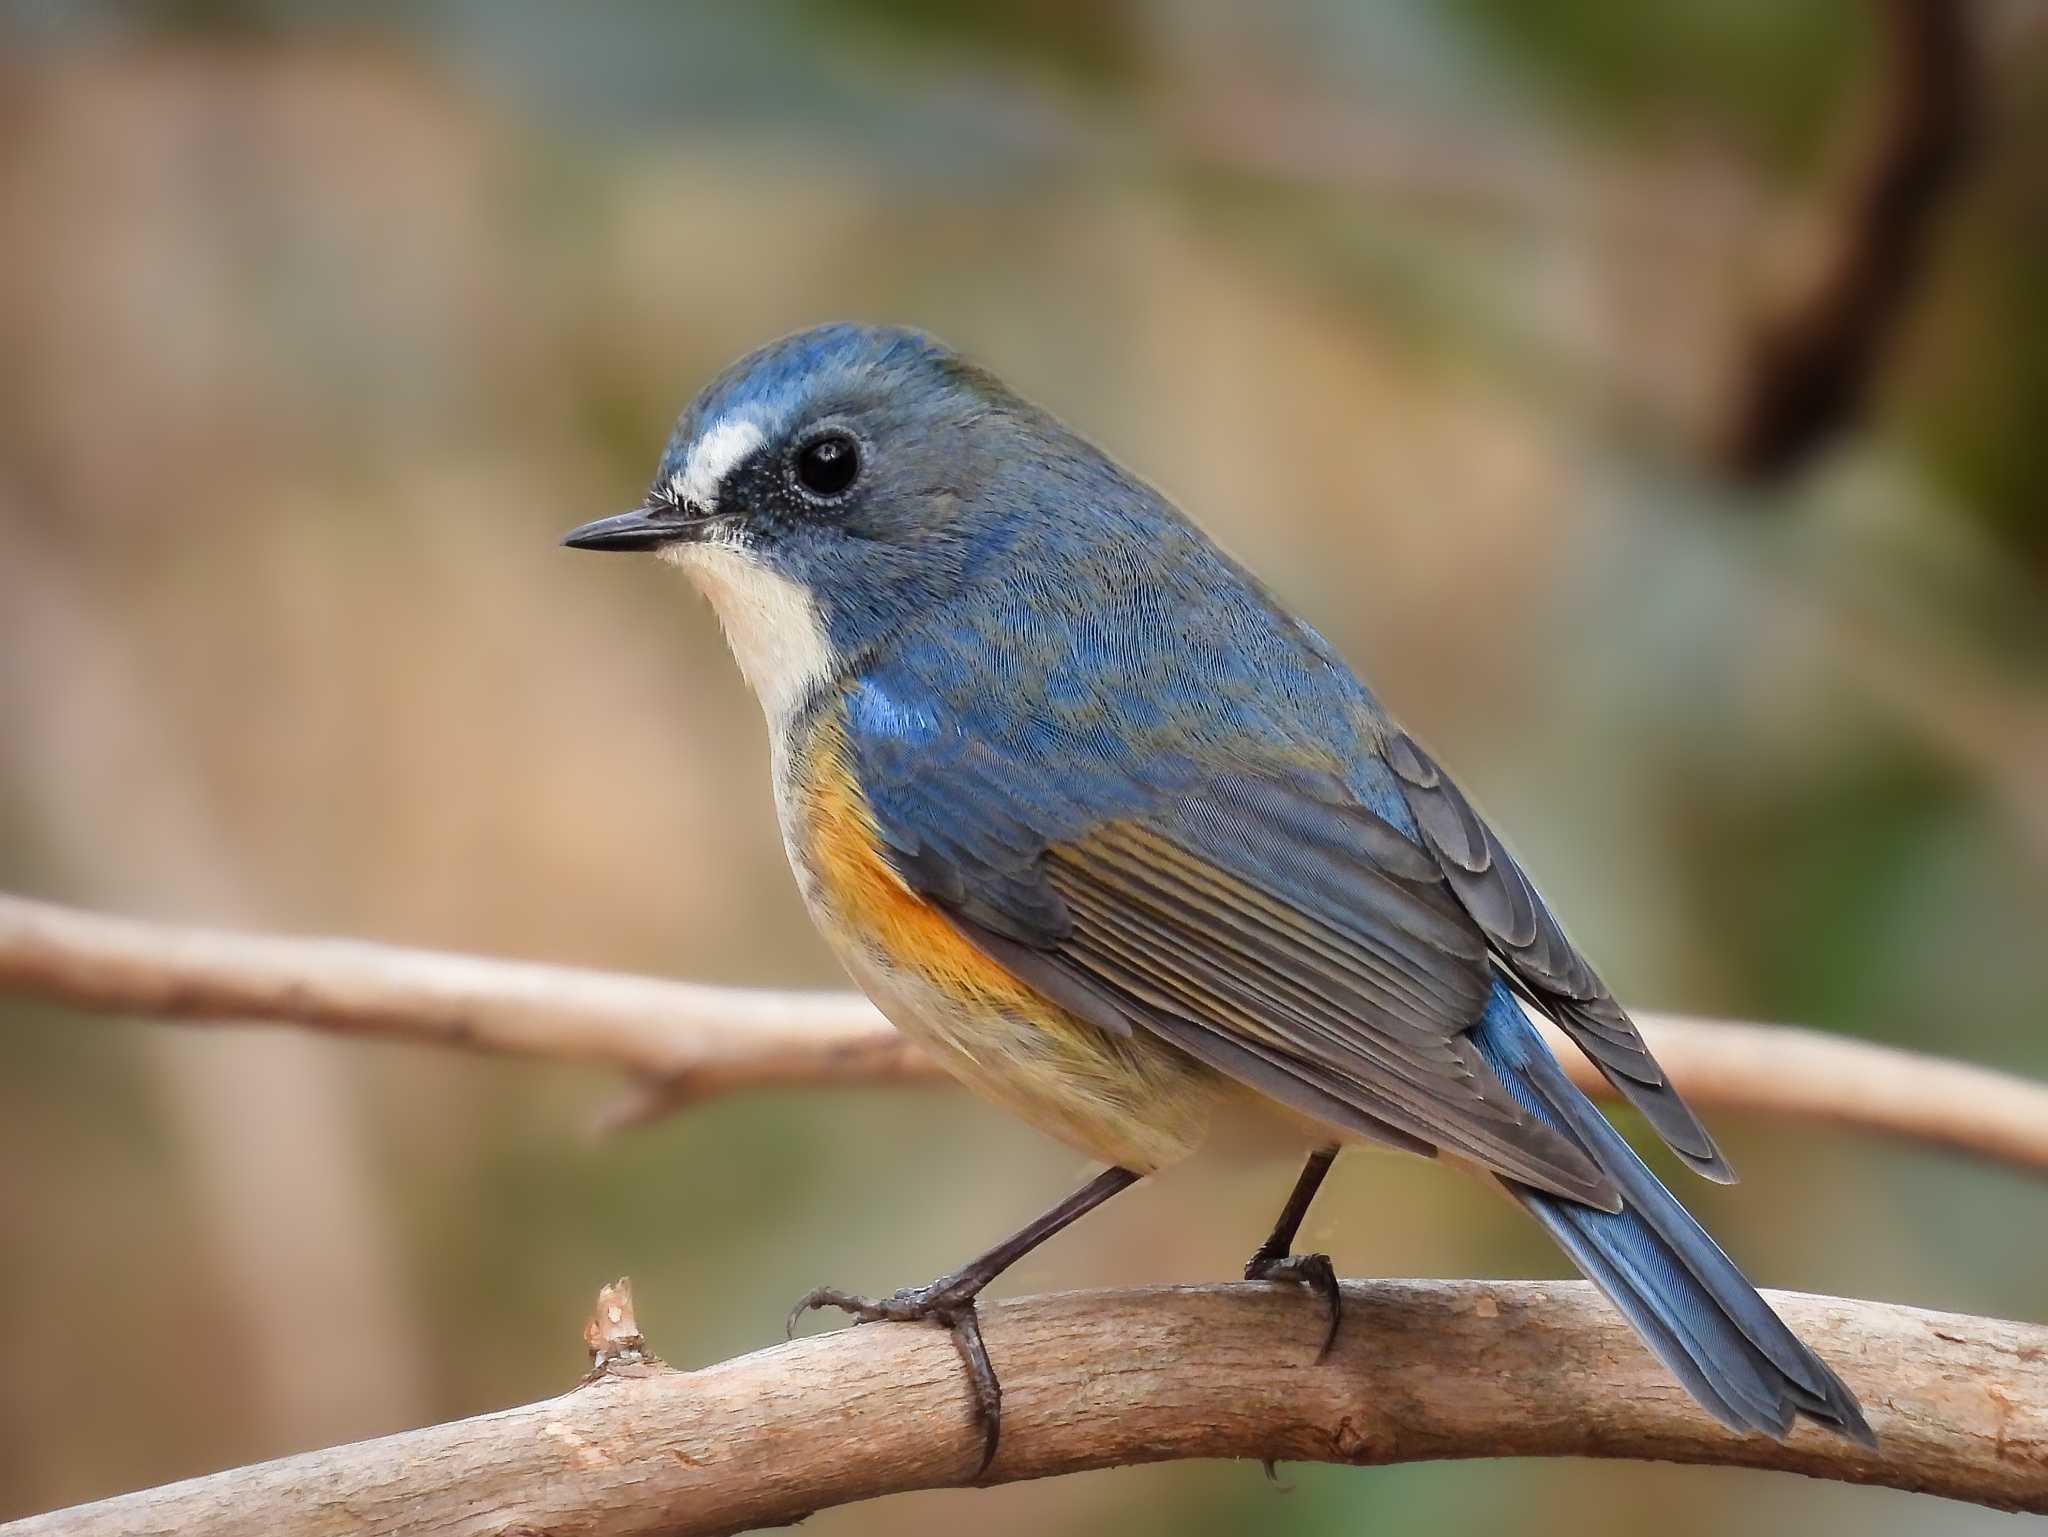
873, 712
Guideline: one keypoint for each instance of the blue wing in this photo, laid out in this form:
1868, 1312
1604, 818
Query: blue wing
1258, 868
1214, 870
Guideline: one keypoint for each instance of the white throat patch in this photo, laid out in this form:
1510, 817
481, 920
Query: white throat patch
712, 458
774, 628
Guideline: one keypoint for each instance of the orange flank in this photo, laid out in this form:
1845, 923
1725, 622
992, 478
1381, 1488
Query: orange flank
1131, 1100
870, 898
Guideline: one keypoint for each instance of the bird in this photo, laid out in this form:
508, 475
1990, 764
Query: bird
1123, 842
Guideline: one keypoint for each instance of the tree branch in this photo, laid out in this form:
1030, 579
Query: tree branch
687, 1041
1423, 1370
1809, 361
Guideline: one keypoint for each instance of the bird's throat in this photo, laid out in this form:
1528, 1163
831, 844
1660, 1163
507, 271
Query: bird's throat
773, 625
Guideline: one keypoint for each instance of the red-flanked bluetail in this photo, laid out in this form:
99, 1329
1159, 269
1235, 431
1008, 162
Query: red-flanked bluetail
1119, 839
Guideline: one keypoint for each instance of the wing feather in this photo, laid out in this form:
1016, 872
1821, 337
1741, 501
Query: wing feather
1537, 956
1254, 983
1272, 927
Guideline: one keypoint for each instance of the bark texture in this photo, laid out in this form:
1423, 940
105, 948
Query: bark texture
1423, 1370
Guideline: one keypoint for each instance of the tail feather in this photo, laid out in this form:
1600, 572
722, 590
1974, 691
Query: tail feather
1672, 1282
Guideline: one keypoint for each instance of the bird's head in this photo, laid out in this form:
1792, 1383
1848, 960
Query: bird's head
827, 488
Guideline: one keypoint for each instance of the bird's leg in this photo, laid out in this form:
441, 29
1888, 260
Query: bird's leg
950, 1299
1274, 1260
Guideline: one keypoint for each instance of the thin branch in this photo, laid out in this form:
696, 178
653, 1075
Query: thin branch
688, 1042
640, 1024
1810, 360
1423, 1371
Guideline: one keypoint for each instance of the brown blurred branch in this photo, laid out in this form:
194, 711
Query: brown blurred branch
1808, 364
664, 1030
686, 1041
1423, 1370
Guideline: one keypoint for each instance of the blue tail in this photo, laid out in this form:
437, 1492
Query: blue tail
1655, 1263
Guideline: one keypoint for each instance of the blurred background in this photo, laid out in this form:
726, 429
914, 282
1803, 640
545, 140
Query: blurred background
321, 321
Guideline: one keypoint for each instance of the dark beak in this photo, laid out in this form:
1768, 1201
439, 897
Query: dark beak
644, 528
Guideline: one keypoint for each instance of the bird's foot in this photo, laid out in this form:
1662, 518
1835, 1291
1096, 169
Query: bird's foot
1313, 1271
949, 1302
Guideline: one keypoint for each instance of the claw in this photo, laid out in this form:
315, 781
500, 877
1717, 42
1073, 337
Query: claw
1313, 1271
965, 1324
865, 1310
942, 1304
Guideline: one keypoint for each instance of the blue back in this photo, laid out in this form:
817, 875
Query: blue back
1098, 662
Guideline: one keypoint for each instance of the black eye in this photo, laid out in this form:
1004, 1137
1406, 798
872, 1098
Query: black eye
827, 464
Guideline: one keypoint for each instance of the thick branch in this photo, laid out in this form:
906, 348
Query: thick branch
1423, 1370
694, 1041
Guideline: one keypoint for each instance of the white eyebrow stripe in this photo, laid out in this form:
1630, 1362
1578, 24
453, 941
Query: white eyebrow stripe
712, 458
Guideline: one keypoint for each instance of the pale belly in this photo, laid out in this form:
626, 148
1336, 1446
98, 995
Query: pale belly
1131, 1101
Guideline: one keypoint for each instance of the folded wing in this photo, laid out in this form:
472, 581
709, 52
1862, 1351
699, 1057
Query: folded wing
1271, 926
1537, 957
